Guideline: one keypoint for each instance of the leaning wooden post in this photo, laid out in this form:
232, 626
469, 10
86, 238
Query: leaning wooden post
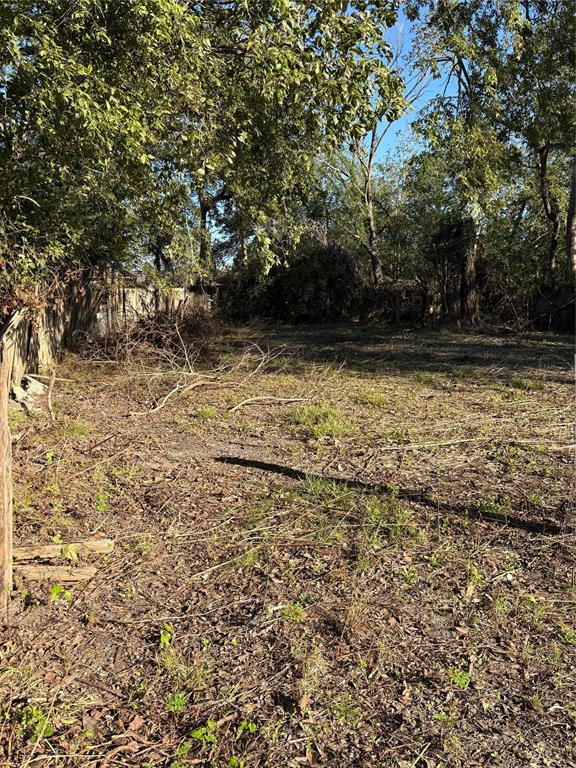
5, 488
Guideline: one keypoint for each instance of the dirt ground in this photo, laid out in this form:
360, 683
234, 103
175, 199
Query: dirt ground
339, 547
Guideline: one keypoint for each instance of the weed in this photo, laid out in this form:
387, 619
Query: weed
324, 490
397, 435
182, 751
473, 581
527, 385
546, 472
166, 636
388, 514
206, 734
373, 397
314, 664
346, 710
246, 726
294, 612
206, 412
68, 552
568, 634
144, 545
502, 605
18, 417
494, 508
468, 373
320, 420
426, 377
72, 428
511, 563
176, 702
250, 558
460, 676
101, 501
58, 591
445, 719
409, 573
237, 762
278, 363
35, 724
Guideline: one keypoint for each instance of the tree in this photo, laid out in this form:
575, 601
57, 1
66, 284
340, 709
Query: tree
512, 63
104, 101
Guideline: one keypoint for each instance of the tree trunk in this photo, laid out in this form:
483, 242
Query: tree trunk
377, 271
370, 226
469, 294
369, 222
551, 209
571, 228
5, 489
243, 248
204, 253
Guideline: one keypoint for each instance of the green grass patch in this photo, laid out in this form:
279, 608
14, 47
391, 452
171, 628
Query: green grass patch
372, 397
495, 509
468, 373
320, 420
206, 413
526, 385
19, 418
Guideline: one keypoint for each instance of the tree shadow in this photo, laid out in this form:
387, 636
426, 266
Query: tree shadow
467, 511
376, 349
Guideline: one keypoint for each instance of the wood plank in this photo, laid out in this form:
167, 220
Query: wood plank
5, 488
56, 574
53, 551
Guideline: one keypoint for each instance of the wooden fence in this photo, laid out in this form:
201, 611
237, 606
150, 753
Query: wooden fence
33, 344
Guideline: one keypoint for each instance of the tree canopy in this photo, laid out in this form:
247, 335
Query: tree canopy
195, 138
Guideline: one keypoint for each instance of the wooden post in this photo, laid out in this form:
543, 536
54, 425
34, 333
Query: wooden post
5, 488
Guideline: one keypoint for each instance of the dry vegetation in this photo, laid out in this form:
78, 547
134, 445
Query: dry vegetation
353, 550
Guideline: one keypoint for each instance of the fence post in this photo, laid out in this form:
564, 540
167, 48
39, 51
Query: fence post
5, 488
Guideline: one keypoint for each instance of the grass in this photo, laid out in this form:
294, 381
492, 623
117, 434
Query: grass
19, 418
206, 413
321, 420
526, 385
373, 397
388, 515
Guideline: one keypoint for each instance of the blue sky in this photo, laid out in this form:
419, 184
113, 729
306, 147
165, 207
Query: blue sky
401, 35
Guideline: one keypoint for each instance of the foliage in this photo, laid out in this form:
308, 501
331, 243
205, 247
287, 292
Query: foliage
241, 143
124, 122
35, 724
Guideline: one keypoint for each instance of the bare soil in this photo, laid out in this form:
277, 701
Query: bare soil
368, 563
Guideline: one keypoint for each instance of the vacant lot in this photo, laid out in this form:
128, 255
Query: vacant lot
341, 547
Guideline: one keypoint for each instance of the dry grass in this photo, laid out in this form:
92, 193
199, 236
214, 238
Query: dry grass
382, 576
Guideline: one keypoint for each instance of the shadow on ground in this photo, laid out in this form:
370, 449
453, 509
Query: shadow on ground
468, 511
373, 349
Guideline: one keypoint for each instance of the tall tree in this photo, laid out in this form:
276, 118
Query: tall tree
513, 62
104, 100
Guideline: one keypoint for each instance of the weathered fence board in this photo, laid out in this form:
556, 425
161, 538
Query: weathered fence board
92, 308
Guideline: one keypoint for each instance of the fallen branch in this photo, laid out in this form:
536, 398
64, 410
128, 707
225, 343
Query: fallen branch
178, 389
52, 551
47, 378
268, 398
